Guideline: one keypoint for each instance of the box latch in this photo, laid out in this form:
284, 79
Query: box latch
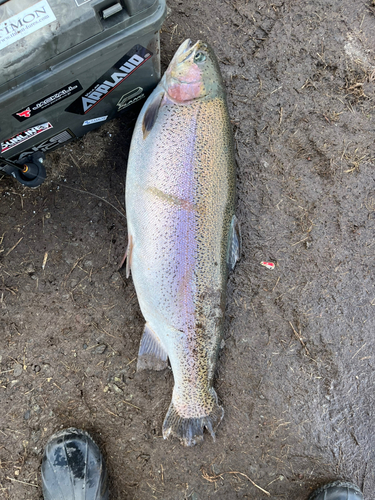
110, 11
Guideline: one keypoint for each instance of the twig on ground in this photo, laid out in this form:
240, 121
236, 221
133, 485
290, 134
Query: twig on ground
215, 477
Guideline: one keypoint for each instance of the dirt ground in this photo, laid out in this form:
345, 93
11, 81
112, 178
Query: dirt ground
296, 375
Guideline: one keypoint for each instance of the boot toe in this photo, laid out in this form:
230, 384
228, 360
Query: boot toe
73, 468
339, 490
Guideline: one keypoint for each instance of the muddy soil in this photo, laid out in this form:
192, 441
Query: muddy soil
296, 375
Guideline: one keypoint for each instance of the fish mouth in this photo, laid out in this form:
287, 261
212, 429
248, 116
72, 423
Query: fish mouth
185, 51
186, 45
187, 48
182, 70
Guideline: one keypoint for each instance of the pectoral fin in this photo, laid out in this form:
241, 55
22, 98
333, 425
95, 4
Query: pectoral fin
234, 246
151, 114
151, 355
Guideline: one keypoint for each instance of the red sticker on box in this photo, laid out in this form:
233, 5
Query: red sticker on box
268, 265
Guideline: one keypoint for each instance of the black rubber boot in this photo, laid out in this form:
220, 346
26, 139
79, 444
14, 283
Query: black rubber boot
339, 490
73, 468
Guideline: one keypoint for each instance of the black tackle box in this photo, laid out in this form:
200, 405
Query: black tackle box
68, 66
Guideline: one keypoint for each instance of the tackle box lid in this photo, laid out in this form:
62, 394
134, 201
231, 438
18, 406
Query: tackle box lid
33, 32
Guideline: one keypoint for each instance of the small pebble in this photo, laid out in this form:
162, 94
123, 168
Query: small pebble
35, 436
17, 370
30, 269
91, 371
26, 415
100, 349
116, 388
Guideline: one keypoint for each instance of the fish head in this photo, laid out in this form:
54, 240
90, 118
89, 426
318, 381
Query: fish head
193, 73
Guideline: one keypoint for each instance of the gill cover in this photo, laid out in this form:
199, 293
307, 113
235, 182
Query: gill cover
192, 74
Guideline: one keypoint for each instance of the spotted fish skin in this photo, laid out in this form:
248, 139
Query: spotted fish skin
180, 200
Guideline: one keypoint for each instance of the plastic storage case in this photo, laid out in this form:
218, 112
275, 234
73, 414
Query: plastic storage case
67, 66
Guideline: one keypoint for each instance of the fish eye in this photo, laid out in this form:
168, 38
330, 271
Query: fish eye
199, 57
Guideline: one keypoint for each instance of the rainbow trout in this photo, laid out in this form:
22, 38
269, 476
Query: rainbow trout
183, 234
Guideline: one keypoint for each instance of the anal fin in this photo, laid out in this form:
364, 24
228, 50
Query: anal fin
128, 255
234, 246
151, 355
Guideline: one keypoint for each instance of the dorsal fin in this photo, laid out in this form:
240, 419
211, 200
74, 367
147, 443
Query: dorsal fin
151, 114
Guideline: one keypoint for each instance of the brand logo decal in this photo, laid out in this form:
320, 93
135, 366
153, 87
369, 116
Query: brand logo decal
95, 120
137, 56
25, 114
24, 136
47, 101
130, 98
26, 22
49, 144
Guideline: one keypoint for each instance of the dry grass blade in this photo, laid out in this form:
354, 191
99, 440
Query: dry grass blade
45, 260
104, 331
300, 339
215, 477
95, 196
13, 247
136, 407
114, 414
252, 482
360, 349
22, 482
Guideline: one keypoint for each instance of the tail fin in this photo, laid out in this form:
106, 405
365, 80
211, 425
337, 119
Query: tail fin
190, 430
